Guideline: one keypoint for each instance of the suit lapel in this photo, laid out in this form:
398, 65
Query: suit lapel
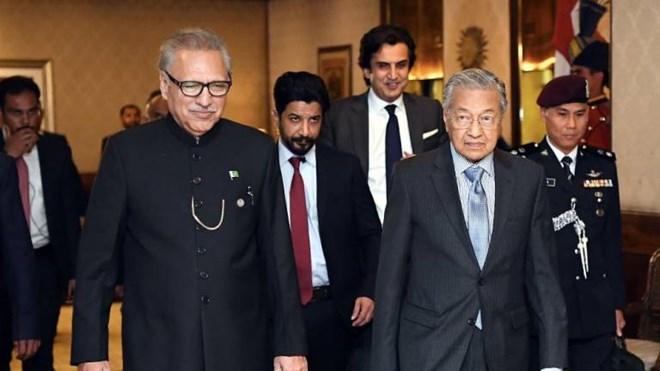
414, 123
504, 184
444, 181
360, 129
323, 180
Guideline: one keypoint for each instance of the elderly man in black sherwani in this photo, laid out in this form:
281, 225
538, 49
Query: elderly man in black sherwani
210, 280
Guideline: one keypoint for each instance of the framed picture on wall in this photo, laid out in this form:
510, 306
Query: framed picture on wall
41, 71
335, 70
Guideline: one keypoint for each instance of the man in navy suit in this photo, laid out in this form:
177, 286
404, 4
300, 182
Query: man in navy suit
384, 124
54, 203
334, 226
17, 275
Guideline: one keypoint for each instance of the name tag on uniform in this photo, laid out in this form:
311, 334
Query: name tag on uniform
550, 182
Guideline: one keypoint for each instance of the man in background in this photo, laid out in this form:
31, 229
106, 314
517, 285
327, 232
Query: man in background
468, 256
129, 116
334, 225
584, 197
384, 124
593, 64
156, 107
53, 201
18, 286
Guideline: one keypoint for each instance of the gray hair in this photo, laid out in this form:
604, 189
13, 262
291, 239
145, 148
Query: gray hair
191, 39
474, 78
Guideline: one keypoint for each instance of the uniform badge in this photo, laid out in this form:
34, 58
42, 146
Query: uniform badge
550, 182
598, 194
598, 183
594, 174
233, 174
544, 152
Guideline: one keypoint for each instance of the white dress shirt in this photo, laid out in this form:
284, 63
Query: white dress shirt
38, 224
378, 118
308, 173
559, 154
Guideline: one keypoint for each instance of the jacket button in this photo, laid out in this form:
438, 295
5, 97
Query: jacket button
203, 275
470, 322
197, 180
205, 300
481, 281
196, 156
577, 278
201, 250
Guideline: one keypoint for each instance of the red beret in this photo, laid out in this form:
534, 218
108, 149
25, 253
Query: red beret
564, 89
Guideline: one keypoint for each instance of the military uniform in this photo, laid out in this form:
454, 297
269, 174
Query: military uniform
595, 289
599, 129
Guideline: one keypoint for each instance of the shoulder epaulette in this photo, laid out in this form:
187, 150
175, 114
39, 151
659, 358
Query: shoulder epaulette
526, 149
598, 152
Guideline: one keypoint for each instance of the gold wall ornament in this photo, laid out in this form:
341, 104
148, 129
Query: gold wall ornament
472, 48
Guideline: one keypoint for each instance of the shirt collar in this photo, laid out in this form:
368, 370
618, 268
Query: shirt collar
285, 154
559, 154
377, 105
461, 163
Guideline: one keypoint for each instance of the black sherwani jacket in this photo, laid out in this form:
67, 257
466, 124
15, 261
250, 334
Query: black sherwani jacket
195, 299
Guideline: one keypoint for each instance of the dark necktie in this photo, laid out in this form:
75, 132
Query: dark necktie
300, 232
566, 164
477, 220
24, 187
392, 144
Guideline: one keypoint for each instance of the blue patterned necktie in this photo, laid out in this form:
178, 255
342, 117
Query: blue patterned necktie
477, 219
566, 164
477, 214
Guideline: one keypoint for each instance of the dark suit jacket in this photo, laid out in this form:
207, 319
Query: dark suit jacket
63, 199
194, 299
349, 227
17, 269
429, 287
346, 125
590, 302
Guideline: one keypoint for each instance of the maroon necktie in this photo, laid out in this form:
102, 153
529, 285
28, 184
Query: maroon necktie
24, 187
300, 232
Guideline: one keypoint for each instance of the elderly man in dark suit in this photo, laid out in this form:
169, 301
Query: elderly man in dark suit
584, 198
384, 124
18, 287
334, 225
53, 199
196, 204
467, 244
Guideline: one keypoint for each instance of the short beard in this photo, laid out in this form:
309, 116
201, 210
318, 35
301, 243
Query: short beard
304, 144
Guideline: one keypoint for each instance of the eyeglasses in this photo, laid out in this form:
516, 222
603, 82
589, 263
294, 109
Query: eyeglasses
464, 120
195, 88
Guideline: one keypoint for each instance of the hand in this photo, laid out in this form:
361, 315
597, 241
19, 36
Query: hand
70, 290
407, 155
26, 348
94, 366
293, 363
21, 142
363, 311
620, 322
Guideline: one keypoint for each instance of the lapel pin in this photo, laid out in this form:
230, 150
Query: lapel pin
544, 152
233, 174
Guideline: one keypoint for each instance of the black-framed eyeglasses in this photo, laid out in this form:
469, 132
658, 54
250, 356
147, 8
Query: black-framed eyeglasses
195, 88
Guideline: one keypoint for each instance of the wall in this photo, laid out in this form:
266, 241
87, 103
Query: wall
635, 93
104, 55
493, 17
297, 28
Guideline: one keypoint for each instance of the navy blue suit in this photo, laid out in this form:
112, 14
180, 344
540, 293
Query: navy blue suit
17, 269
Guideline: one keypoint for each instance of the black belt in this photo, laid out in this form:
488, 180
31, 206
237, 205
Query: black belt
320, 293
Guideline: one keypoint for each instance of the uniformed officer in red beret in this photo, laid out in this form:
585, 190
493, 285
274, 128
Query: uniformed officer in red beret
593, 63
584, 196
